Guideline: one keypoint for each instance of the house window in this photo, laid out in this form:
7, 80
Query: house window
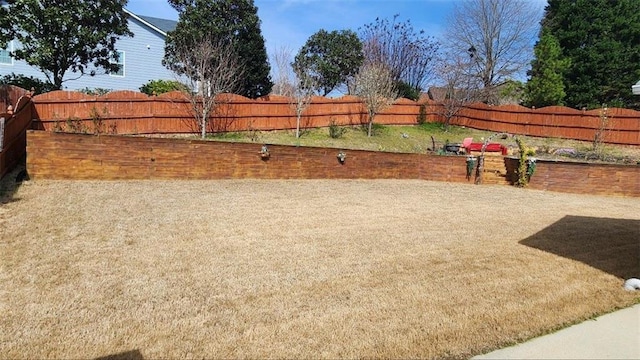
5, 55
118, 60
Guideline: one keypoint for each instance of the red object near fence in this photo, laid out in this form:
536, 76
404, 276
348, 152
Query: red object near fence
491, 147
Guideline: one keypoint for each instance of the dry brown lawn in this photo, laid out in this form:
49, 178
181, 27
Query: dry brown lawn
303, 269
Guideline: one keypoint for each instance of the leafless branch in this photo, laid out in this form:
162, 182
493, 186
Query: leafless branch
283, 76
375, 86
410, 56
301, 95
208, 69
460, 86
496, 35
299, 88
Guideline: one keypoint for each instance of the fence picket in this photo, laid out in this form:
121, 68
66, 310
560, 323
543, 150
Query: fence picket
1, 133
131, 112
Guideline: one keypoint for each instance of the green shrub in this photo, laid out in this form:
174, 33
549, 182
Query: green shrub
97, 118
335, 131
407, 91
94, 91
58, 126
157, 87
27, 83
526, 164
75, 125
376, 129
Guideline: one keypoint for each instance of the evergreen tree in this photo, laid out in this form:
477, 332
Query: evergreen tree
330, 59
545, 86
601, 38
5, 25
233, 21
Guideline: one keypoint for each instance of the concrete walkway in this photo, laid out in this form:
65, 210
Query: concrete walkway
611, 336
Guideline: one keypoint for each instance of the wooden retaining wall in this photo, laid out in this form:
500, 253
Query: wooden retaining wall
581, 178
105, 157
80, 156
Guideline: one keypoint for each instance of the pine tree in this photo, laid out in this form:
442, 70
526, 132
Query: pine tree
235, 21
545, 86
601, 38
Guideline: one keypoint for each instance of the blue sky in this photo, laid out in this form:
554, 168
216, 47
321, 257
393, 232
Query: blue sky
289, 23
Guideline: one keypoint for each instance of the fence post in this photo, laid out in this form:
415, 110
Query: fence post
1, 133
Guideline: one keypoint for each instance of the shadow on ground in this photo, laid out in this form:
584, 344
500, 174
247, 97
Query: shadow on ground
127, 355
10, 183
610, 245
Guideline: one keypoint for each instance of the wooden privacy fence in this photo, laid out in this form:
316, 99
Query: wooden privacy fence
9, 95
618, 126
129, 112
13, 139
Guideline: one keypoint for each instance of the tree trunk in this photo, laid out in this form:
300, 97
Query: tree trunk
203, 124
369, 132
57, 80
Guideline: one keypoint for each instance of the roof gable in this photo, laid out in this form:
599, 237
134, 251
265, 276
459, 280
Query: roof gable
162, 26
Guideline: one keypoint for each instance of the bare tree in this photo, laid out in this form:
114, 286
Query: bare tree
297, 86
301, 95
283, 75
496, 35
460, 88
375, 86
207, 69
409, 55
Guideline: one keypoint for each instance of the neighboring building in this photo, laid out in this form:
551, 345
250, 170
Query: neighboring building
437, 93
140, 59
506, 93
442, 94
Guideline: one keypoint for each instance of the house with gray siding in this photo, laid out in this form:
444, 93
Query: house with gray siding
140, 59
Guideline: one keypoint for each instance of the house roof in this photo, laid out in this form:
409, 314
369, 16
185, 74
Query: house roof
494, 95
437, 93
162, 26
